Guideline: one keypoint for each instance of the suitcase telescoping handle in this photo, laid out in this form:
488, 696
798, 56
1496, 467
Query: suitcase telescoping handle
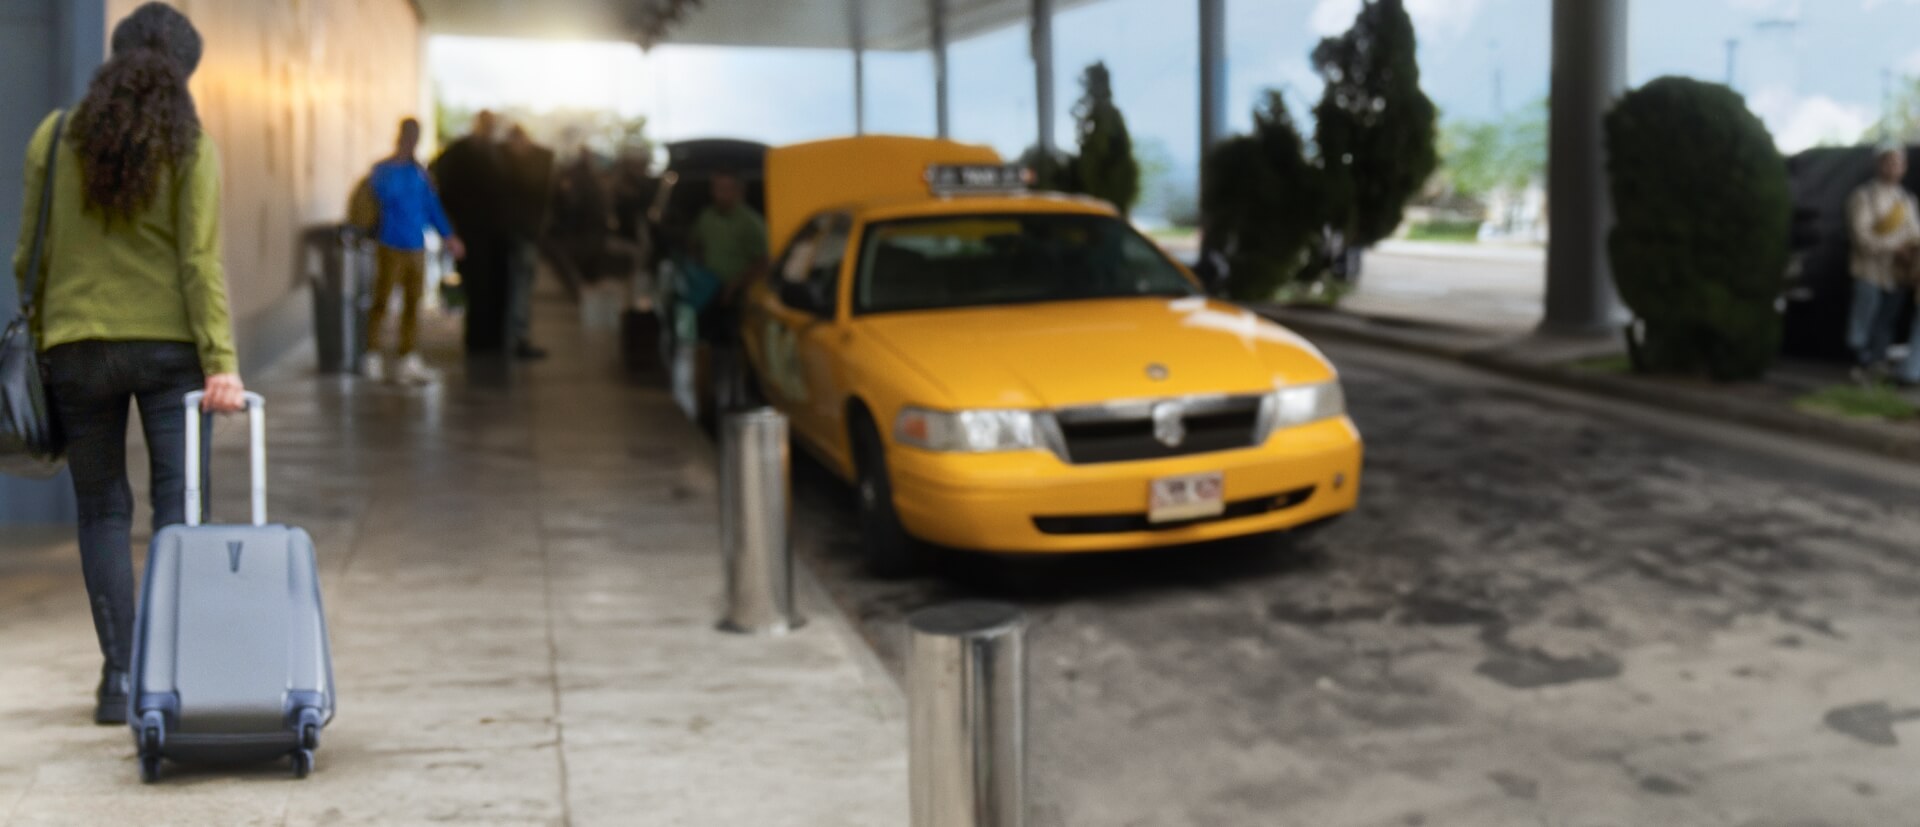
256, 445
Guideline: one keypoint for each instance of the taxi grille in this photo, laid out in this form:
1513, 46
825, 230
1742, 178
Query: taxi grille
1126, 433
1125, 523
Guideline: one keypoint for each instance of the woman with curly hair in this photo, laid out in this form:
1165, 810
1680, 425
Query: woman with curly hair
132, 299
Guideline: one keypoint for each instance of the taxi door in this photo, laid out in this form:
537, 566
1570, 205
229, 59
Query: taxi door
794, 329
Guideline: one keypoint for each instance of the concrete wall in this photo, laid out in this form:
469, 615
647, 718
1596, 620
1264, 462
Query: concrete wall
301, 96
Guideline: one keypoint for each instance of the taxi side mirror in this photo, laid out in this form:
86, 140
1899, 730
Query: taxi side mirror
804, 296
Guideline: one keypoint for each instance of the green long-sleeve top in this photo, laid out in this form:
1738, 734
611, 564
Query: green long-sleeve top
156, 277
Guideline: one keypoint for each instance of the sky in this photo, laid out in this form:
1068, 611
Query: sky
1814, 70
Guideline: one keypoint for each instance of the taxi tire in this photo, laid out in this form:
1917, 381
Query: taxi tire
890, 550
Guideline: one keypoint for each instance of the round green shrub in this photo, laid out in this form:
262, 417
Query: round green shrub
1699, 244
1263, 203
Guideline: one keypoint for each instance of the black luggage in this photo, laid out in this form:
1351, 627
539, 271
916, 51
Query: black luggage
640, 339
230, 649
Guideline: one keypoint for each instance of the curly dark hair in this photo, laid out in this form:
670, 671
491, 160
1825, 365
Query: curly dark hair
138, 120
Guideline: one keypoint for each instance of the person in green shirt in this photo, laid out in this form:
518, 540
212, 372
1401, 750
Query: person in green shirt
730, 240
131, 301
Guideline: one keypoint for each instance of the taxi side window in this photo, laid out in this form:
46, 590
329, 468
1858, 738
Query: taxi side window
799, 256
829, 252
810, 275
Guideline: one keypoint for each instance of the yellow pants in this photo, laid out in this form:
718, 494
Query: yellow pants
408, 269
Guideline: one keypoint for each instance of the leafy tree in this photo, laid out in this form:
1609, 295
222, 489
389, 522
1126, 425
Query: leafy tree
1481, 158
1699, 247
1374, 126
450, 121
1106, 167
1263, 202
1472, 153
1901, 121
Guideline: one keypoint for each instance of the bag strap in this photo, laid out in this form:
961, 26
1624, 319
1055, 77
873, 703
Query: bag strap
32, 286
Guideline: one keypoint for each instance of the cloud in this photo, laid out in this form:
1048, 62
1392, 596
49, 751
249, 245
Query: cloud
1444, 18
1799, 123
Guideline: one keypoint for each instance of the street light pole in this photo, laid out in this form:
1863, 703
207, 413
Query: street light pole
857, 31
1213, 73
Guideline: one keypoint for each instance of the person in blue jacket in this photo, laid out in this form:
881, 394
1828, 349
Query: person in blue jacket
408, 206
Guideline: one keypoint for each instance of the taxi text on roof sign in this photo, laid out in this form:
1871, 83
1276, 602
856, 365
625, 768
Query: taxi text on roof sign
954, 179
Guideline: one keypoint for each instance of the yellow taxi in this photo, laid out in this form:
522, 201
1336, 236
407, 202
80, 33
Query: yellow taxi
1004, 371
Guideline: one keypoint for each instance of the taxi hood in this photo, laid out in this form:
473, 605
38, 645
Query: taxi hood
804, 179
1062, 354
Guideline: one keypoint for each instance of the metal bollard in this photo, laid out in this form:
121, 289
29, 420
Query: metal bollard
966, 700
755, 520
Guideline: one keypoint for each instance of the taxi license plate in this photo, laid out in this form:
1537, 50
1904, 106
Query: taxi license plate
1191, 497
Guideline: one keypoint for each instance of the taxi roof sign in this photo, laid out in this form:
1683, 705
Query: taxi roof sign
953, 179
803, 179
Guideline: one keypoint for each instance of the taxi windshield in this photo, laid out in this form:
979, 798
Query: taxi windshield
970, 261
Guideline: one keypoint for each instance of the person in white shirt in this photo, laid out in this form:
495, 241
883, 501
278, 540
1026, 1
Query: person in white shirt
1885, 224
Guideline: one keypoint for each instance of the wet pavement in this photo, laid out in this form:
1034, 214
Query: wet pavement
1544, 613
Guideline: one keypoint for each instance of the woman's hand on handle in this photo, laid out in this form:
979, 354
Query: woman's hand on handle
225, 394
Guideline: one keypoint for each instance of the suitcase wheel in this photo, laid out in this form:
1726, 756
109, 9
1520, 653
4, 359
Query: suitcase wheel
152, 736
309, 723
302, 762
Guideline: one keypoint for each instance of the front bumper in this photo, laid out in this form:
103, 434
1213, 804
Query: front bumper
1032, 502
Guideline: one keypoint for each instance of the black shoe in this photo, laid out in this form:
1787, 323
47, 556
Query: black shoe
112, 696
525, 351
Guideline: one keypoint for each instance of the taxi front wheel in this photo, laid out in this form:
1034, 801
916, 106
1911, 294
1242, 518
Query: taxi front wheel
890, 551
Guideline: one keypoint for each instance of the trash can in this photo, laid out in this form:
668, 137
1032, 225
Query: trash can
339, 263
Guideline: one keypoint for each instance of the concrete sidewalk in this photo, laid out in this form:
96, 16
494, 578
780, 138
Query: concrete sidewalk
522, 576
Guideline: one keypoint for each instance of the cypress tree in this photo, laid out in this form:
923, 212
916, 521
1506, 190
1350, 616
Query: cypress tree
1374, 126
1106, 166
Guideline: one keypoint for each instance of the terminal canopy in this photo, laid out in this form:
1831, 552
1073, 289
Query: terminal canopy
821, 24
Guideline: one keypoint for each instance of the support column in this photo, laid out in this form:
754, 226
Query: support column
942, 114
56, 45
1043, 73
1589, 74
1213, 73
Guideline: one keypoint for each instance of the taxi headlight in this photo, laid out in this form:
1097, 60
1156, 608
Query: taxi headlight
1301, 405
971, 432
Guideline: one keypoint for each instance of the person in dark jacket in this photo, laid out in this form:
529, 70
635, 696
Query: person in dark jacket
471, 176
133, 301
581, 213
530, 191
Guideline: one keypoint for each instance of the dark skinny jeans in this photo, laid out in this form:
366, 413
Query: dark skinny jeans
92, 383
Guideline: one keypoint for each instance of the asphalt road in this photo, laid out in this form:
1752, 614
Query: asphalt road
1542, 614
1470, 285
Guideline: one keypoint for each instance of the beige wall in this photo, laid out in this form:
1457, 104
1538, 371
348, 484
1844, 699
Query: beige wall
301, 96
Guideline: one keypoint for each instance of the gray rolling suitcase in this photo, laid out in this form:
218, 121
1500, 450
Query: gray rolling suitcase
230, 648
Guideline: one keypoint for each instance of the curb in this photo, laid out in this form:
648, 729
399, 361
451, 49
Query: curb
1884, 440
